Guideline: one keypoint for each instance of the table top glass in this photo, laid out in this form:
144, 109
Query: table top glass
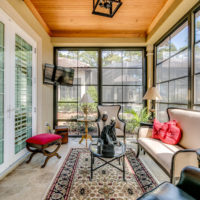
120, 149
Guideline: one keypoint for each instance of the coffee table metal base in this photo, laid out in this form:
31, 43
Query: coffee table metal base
108, 163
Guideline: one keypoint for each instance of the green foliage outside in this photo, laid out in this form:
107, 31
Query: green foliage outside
137, 117
92, 107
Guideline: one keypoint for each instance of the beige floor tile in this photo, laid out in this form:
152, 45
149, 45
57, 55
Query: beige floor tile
30, 182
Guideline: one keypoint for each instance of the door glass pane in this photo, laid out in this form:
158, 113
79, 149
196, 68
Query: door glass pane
1, 92
23, 92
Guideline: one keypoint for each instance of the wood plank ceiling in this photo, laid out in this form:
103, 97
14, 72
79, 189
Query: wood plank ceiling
74, 18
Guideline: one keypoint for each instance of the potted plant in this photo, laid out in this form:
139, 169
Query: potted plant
142, 116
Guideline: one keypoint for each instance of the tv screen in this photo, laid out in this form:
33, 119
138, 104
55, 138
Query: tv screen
48, 74
58, 75
64, 76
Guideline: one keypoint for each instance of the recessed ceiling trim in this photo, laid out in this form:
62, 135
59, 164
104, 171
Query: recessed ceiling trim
100, 34
38, 16
167, 9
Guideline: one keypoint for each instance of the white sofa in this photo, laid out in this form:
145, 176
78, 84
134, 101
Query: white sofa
173, 158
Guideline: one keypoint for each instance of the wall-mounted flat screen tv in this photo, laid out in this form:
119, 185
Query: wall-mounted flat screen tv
48, 74
58, 75
64, 76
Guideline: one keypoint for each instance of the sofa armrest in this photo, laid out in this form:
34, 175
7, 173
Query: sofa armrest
145, 132
190, 181
182, 159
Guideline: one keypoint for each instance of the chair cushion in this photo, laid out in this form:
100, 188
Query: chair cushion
119, 132
162, 152
43, 138
166, 191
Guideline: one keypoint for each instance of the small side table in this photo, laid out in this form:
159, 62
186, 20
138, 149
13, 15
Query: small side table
63, 132
86, 135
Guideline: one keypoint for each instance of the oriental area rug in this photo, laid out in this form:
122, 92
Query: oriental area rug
73, 179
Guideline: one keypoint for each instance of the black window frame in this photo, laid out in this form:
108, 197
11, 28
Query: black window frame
99, 73
190, 17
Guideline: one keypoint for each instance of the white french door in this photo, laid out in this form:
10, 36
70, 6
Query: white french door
17, 91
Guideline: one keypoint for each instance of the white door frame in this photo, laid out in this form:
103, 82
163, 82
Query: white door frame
11, 28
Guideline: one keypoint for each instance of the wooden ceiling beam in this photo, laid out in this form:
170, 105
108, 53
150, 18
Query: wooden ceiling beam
167, 9
38, 16
100, 34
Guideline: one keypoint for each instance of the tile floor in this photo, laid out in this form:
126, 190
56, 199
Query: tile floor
30, 182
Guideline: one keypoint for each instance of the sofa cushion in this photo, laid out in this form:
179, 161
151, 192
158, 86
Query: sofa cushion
162, 152
189, 121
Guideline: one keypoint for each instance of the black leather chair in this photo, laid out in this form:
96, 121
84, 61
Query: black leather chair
188, 187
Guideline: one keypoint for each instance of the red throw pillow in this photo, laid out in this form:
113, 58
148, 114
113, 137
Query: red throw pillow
156, 128
168, 132
173, 135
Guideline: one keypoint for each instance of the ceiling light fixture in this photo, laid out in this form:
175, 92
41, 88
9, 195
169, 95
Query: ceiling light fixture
106, 8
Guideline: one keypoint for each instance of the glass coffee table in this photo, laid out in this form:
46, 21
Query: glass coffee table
120, 151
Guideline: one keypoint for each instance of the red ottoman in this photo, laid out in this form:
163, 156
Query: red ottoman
39, 143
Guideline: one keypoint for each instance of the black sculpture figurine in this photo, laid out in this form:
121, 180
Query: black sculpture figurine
109, 139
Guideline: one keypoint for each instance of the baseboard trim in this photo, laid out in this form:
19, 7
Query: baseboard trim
13, 166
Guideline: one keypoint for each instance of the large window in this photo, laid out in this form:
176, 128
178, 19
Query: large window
197, 63
172, 71
1, 92
110, 76
122, 81
85, 64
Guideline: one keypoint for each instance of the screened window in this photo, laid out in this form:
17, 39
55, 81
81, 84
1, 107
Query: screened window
1, 92
23, 92
122, 79
172, 71
69, 109
110, 76
197, 63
